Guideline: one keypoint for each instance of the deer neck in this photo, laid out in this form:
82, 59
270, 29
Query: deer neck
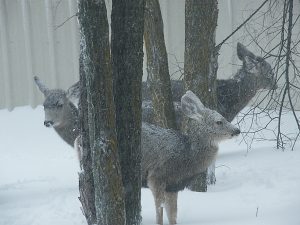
203, 148
201, 138
234, 94
248, 84
69, 129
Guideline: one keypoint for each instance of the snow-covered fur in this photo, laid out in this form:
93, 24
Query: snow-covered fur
60, 112
232, 94
170, 159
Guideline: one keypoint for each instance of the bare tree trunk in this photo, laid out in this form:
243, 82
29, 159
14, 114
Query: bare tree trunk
127, 60
157, 66
200, 59
109, 193
86, 180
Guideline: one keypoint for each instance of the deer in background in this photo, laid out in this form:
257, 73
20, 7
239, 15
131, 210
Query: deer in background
232, 94
60, 112
171, 160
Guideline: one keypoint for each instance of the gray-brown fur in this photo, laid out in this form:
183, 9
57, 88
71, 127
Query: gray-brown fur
232, 94
60, 112
165, 151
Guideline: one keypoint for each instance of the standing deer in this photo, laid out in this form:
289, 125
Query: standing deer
232, 94
60, 112
171, 160
164, 151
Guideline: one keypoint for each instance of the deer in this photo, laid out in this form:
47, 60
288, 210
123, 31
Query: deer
165, 151
60, 111
232, 94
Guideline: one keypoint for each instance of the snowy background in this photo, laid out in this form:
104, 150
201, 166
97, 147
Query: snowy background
39, 181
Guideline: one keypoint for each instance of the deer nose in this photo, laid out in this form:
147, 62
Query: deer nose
236, 132
48, 123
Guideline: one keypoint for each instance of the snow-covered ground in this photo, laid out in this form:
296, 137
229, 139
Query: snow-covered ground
39, 181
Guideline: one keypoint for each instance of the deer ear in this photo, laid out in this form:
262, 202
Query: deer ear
191, 105
250, 64
242, 52
73, 93
41, 86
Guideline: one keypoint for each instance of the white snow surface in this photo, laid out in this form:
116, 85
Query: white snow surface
39, 181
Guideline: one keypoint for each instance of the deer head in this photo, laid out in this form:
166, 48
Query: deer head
205, 120
260, 69
56, 105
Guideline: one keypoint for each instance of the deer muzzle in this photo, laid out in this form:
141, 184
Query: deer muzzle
48, 123
236, 132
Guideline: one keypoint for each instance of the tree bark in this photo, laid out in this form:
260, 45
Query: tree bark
157, 66
109, 193
127, 27
200, 59
86, 180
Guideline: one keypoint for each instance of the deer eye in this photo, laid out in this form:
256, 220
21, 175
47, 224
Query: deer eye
219, 122
59, 105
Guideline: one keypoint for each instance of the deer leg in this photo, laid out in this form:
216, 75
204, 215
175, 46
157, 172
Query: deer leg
78, 147
171, 206
158, 194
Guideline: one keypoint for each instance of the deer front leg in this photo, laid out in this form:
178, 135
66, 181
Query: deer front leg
171, 206
158, 194
78, 147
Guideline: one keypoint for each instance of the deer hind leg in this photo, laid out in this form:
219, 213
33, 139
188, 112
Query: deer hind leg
171, 206
159, 198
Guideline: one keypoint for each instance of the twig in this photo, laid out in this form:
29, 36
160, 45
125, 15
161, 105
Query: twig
60, 25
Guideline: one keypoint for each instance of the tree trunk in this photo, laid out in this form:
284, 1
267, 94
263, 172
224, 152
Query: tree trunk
109, 193
157, 66
200, 59
127, 27
86, 180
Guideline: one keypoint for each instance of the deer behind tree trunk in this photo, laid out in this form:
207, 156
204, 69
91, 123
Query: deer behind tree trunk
232, 94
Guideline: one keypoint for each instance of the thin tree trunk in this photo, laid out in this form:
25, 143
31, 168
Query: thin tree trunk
200, 59
127, 27
157, 66
109, 193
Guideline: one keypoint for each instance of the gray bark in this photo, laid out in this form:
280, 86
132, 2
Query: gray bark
86, 180
157, 66
200, 59
127, 60
109, 193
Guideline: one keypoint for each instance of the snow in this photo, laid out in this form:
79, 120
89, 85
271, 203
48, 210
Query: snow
39, 181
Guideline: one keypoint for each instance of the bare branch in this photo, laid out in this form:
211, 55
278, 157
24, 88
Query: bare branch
240, 26
60, 25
